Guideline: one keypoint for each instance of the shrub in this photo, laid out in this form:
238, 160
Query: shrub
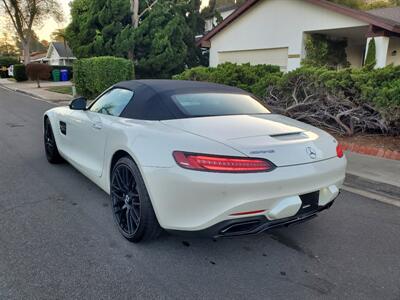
93, 75
37, 72
5, 62
254, 79
20, 72
323, 51
346, 101
370, 60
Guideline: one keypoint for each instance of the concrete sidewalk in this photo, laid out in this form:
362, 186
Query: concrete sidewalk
30, 88
373, 177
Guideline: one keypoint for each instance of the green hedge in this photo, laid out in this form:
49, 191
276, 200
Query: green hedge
254, 79
20, 72
378, 89
93, 75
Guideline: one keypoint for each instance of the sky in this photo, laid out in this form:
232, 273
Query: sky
48, 27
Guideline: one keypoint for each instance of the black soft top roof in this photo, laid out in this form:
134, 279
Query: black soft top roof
152, 98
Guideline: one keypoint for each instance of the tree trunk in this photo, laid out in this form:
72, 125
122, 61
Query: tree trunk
26, 50
135, 23
135, 13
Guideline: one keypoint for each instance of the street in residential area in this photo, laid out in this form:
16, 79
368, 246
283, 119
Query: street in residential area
58, 240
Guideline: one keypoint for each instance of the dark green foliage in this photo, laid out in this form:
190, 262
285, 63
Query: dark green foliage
254, 79
325, 52
20, 72
159, 43
345, 101
370, 60
93, 75
382, 88
97, 25
362, 100
5, 62
162, 45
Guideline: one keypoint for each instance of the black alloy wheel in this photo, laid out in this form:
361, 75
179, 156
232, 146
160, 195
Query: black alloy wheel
50, 146
132, 209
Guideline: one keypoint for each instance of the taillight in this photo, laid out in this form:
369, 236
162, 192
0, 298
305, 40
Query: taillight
339, 151
216, 163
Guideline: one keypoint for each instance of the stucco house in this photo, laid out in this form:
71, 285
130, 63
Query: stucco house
274, 32
59, 54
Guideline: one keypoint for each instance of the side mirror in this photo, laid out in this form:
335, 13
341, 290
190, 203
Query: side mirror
78, 104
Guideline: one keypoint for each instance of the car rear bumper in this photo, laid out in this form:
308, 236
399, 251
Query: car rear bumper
186, 200
250, 225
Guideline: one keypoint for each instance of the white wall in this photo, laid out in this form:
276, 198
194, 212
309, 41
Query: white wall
277, 24
54, 58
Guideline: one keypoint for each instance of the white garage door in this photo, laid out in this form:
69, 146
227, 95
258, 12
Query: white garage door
276, 56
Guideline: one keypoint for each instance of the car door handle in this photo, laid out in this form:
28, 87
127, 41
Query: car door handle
97, 125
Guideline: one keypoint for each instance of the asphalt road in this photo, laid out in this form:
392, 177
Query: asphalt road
58, 240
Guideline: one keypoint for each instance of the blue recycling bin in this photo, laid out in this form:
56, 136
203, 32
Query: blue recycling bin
64, 75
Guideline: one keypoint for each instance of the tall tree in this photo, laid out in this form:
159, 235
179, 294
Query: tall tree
25, 14
107, 27
160, 42
59, 35
34, 44
8, 46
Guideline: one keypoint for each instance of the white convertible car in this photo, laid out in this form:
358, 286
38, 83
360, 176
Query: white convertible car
195, 157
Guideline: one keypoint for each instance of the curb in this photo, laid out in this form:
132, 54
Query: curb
379, 191
373, 151
29, 94
372, 186
372, 196
53, 102
21, 91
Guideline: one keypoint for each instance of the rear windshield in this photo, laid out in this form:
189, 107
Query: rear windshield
217, 104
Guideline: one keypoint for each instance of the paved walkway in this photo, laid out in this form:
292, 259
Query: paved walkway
373, 177
30, 88
374, 168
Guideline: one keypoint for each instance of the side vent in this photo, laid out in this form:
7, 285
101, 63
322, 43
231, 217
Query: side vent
63, 128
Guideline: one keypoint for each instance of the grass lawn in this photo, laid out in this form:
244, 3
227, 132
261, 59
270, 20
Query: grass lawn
61, 89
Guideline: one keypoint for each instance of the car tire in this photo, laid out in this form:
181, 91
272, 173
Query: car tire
131, 205
50, 145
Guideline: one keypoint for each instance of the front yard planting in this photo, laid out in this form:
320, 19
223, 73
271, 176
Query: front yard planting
61, 89
345, 102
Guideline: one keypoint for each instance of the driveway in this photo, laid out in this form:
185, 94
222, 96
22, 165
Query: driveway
58, 240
